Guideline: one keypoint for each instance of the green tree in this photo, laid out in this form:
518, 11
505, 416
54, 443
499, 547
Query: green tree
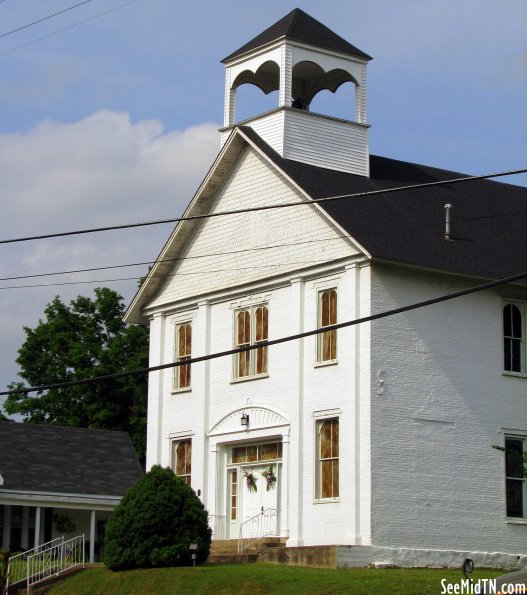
84, 339
154, 524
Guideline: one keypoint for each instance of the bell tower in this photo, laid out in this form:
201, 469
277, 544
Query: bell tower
299, 56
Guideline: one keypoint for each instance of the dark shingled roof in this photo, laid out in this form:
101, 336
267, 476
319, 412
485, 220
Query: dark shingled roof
40, 458
489, 219
300, 26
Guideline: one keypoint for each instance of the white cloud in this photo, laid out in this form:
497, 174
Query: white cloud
102, 170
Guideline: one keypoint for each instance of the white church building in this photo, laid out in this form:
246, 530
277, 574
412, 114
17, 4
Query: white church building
376, 435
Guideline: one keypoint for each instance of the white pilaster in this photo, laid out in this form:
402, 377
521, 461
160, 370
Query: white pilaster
200, 395
286, 75
155, 392
360, 97
349, 457
284, 492
211, 496
92, 537
230, 100
363, 394
295, 477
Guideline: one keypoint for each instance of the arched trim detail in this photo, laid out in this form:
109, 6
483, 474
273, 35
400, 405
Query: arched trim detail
309, 78
259, 417
266, 77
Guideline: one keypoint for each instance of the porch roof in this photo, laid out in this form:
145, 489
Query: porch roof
56, 459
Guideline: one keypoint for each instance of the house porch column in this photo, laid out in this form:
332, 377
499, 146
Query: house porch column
37, 525
92, 537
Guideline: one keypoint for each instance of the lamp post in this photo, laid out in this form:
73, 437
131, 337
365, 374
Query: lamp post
193, 547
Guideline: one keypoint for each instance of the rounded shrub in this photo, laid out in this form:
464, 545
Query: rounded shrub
154, 524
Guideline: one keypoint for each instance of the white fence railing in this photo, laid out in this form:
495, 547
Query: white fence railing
49, 559
263, 524
217, 524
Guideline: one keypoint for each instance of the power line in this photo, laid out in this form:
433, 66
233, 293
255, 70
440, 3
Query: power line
208, 272
264, 207
96, 16
203, 358
44, 18
177, 259
215, 254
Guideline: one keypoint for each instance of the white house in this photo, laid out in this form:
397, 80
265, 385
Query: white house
60, 481
377, 435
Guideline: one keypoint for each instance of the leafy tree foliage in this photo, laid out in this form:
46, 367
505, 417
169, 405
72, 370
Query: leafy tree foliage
154, 524
84, 339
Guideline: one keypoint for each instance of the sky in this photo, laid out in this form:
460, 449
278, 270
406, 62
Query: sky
109, 115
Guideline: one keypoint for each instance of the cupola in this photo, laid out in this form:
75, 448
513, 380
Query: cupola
299, 56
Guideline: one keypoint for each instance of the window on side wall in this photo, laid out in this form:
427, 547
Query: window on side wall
327, 315
327, 472
181, 459
513, 337
514, 476
182, 353
251, 328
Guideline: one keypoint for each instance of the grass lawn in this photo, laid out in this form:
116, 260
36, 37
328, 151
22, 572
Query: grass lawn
262, 578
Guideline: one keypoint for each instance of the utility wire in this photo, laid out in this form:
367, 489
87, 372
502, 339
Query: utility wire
177, 259
96, 16
215, 254
203, 358
265, 207
207, 272
44, 19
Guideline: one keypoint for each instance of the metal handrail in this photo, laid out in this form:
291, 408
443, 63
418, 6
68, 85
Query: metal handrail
260, 525
50, 558
16, 566
55, 560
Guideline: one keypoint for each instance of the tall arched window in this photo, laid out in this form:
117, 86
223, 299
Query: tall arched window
327, 315
328, 459
251, 329
183, 352
513, 344
182, 459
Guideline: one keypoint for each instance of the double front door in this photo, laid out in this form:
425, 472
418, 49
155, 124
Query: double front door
253, 491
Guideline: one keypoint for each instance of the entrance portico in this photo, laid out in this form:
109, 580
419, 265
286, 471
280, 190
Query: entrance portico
248, 473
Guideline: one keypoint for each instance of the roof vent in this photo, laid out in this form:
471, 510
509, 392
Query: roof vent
448, 236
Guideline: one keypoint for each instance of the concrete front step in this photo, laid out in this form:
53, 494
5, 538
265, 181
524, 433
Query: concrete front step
231, 558
230, 546
225, 551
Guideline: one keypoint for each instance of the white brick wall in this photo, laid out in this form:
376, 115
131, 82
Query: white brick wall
436, 481
214, 395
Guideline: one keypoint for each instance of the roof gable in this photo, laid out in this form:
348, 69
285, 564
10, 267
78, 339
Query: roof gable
234, 250
300, 26
253, 190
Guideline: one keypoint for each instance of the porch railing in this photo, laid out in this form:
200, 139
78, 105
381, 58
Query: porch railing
49, 559
263, 524
217, 524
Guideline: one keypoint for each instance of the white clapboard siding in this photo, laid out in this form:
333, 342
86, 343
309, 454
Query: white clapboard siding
326, 142
301, 236
314, 139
